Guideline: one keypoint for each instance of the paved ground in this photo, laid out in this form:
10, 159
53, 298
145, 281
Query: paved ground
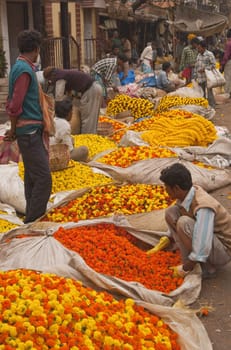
217, 292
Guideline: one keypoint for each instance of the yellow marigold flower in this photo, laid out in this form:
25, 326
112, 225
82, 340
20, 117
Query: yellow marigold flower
97, 335
40, 330
28, 345
31, 329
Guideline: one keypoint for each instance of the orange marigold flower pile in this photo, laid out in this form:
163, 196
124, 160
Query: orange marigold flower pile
108, 251
108, 199
117, 125
125, 156
44, 311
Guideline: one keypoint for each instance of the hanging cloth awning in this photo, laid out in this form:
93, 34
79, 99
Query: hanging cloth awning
199, 22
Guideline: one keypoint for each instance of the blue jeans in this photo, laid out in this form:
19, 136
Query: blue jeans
37, 176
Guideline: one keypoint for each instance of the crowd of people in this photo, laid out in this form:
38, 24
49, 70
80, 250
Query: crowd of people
199, 225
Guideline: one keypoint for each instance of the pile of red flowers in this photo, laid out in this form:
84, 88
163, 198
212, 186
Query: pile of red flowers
107, 249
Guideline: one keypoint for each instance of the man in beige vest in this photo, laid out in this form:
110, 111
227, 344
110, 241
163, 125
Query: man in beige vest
198, 224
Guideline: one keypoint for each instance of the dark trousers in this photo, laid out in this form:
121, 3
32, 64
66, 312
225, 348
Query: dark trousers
37, 176
208, 93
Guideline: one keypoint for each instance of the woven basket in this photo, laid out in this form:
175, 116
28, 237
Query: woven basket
59, 156
105, 129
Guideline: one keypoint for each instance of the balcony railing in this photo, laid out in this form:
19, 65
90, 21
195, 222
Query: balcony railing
52, 53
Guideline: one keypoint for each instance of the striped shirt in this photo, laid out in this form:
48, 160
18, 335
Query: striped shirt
202, 236
205, 60
188, 57
105, 68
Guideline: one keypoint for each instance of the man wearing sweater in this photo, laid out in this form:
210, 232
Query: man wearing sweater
26, 116
84, 88
198, 224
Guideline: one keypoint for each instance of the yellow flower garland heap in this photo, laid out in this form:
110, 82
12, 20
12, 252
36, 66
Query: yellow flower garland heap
106, 200
125, 156
150, 123
195, 131
75, 177
44, 311
95, 143
139, 107
5, 225
168, 102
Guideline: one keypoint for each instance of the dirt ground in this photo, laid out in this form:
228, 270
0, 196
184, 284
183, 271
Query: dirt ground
217, 292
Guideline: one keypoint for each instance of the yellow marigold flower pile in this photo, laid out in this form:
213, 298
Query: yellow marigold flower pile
168, 102
108, 199
125, 156
75, 177
95, 143
5, 225
44, 311
196, 131
139, 107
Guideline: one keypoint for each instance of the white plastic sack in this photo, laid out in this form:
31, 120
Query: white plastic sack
148, 172
132, 138
4, 127
40, 251
207, 112
194, 91
12, 187
11, 218
192, 333
214, 78
218, 154
45, 254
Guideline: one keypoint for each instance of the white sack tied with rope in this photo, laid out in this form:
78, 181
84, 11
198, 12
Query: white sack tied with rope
148, 172
39, 250
42, 253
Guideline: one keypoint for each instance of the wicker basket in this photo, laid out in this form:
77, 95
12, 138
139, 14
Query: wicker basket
105, 129
59, 156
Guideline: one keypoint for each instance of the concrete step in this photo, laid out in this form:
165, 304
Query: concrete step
3, 94
3, 88
3, 116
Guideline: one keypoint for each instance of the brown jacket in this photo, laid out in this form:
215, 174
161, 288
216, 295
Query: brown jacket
222, 219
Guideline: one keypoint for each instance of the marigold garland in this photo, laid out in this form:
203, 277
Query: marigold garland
107, 250
195, 131
169, 101
139, 107
108, 199
44, 311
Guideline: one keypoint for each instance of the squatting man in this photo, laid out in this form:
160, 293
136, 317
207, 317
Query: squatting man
198, 224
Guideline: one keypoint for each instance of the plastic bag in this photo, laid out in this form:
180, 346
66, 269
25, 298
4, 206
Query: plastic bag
129, 79
214, 78
194, 91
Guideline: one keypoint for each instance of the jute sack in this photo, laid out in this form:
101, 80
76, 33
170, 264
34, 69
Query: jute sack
75, 120
76, 117
59, 156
